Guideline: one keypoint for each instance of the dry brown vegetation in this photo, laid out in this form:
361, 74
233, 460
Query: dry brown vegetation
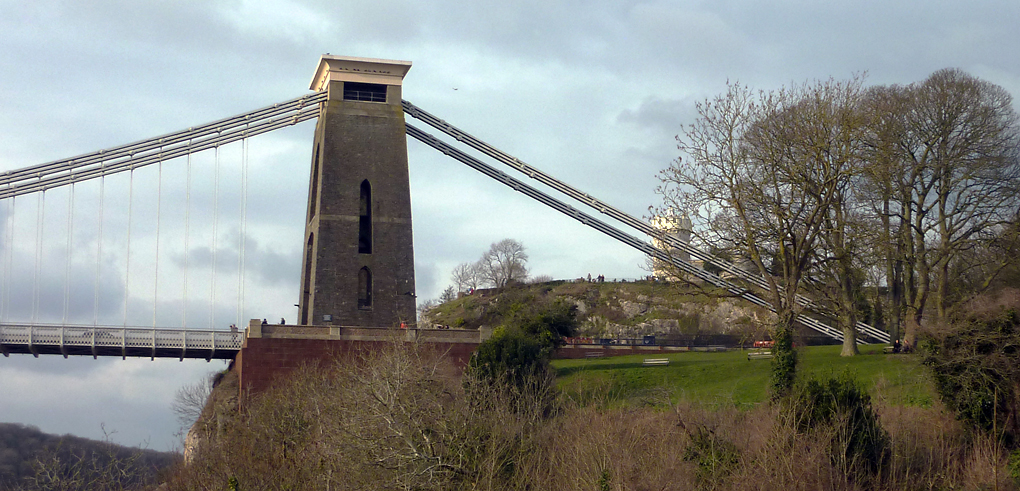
401, 419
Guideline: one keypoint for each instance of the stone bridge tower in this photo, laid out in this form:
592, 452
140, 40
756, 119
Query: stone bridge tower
358, 267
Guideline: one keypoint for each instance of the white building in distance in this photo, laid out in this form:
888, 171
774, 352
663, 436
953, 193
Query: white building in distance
676, 227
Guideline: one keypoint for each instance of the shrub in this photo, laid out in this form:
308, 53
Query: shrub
510, 353
859, 443
715, 457
975, 364
520, 348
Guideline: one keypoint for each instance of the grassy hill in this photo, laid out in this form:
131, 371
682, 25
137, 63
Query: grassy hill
624, 309
730, 379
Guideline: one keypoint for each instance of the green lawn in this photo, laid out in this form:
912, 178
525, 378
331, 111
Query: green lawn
728, 378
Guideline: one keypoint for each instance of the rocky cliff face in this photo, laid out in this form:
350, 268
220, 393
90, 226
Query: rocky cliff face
625, 310
220, 407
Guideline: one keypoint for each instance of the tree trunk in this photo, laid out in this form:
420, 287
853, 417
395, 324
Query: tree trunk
784, 357
849, 341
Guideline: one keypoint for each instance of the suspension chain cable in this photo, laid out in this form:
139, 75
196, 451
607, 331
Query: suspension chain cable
604, 208
265, 116
597, 224
38, 183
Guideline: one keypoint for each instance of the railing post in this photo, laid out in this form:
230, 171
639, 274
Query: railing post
31, 341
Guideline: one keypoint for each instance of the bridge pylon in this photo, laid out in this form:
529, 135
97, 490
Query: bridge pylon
358, 267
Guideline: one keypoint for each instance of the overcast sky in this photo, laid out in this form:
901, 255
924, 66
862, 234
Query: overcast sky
591, 92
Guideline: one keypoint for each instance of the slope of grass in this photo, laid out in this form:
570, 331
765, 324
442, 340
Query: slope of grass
729, 378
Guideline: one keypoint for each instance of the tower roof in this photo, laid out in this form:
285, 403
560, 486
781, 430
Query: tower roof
354, 69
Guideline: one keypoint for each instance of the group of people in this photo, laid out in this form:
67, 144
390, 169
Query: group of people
598, 279
900, 347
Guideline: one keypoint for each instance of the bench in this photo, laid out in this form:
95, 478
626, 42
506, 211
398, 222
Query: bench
651, 362
759, 355
887, 350
593, 354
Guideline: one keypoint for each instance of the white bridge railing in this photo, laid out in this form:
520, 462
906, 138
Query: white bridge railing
119, 341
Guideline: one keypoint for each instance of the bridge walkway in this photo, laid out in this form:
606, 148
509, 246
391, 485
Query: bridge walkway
140, 342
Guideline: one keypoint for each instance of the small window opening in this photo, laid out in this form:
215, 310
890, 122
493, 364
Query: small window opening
364, 288
365, 219
357, 91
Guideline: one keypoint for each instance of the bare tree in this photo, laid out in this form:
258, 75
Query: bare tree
949, 178
466, 276
504, 262
762, 175
190, 400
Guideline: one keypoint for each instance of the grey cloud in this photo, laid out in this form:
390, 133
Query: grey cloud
264, 263
663, 115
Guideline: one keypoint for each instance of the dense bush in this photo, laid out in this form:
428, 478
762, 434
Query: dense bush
975, 364
859, 446
520, 348
511, 354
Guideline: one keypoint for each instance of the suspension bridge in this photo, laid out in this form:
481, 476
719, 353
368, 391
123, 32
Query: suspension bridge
357, 270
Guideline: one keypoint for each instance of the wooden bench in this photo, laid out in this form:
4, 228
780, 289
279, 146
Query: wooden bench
650, 362
593, 354
759, 355
887, 350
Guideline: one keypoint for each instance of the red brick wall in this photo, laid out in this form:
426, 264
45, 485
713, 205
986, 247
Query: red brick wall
262, 360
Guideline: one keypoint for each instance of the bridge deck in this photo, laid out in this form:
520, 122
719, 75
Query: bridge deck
99, 341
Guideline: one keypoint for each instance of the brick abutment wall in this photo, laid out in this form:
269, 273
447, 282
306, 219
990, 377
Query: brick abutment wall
271, 352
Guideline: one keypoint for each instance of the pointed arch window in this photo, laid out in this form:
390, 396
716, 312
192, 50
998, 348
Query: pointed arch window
364, 288
365, 219
313, 200
306, 290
